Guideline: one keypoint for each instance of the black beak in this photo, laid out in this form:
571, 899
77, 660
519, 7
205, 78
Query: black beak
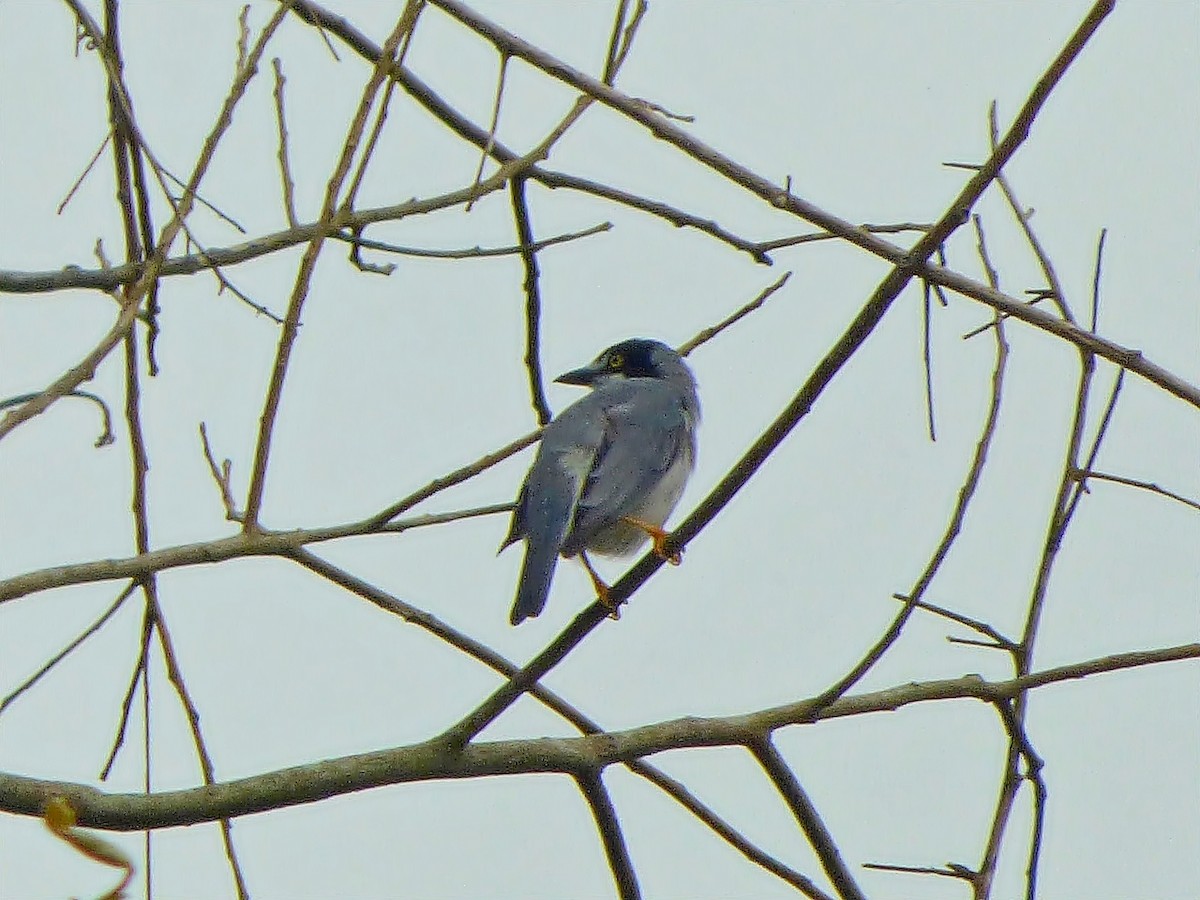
584, 376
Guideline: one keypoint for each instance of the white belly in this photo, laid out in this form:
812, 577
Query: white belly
622, 539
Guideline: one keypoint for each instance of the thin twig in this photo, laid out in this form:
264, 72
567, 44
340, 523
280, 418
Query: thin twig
819, 236
707, 334
1084, 475
285, 168
609, 826
106, 435
998, 640
953, 527
927, 355
1024, 217
412, 14
469, 252
1094, 451
452, 478
491, 141
533, 301
226, 285
176, 679
291, 325
207, 204
1033, 774
46, 667
1096, 280
1039, 296
805, 811
610, 60
221, 476
134, 294
84, 174
139, 670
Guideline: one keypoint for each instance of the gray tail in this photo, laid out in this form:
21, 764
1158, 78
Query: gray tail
534, 586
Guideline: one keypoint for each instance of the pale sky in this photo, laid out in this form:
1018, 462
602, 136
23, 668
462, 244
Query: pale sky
397, 380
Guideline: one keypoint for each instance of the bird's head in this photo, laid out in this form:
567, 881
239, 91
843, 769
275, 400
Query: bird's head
634, 358
639, 358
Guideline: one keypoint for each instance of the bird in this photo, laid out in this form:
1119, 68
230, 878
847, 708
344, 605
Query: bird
610, 468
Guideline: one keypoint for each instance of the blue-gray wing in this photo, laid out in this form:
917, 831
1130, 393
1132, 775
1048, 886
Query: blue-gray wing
645, 430
547, 504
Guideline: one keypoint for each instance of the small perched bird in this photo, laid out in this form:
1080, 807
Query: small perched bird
610, 467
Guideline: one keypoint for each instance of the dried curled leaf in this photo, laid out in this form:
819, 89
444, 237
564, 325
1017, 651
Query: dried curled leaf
60, 817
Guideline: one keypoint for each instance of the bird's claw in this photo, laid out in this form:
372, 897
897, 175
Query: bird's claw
614, 608
603, 592
658, 541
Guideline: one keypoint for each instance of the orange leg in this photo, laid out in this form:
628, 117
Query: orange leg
602, 591
658, 538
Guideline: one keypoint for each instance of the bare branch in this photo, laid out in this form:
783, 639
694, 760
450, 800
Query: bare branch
135, 678
291, 325
488, 657
434, 760
533, 299
176, 678
1096, 280
802, 807
1083, 475
66, 651
1033, 774
106, 435
1024, 217
997, 640
927, 354
285, 167
953, 527
86, 368
846, 346
221, 476
704, 336
84, 174
471, 252
491, 141
609, 827
259, 543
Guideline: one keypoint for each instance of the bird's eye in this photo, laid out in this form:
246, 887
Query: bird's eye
616, 362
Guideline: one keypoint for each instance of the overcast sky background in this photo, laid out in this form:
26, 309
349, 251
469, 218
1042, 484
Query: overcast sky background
397, 380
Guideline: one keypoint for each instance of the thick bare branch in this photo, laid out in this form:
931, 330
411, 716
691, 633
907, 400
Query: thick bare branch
437, 759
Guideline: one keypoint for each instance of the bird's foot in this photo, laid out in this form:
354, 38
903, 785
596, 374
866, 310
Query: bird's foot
658, 539
603, 592
614, 608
